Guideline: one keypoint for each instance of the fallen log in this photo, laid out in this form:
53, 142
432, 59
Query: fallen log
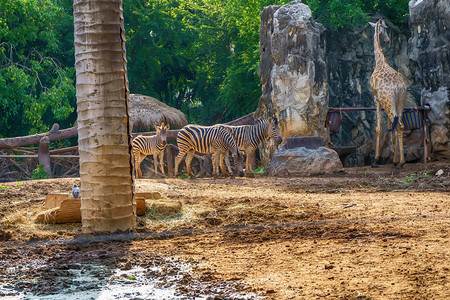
8, 143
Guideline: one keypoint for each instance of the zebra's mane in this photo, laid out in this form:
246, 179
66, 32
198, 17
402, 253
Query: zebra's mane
263, 120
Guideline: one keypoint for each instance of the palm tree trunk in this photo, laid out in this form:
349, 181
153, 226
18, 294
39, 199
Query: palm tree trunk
104, 137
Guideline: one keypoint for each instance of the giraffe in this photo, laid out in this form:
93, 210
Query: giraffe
389, 92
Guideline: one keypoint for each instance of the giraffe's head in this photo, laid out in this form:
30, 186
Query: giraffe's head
162, 132
381, 29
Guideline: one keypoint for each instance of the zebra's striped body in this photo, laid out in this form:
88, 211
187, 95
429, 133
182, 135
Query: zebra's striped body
248, 137
150, 145
217, 140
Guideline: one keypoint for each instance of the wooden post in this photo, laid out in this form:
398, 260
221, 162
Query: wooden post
169, 159
44, 154
426, 138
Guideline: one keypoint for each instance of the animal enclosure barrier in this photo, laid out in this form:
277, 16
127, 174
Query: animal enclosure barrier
412, 118
18, 158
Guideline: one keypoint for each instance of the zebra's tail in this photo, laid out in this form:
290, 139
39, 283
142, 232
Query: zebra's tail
394, 124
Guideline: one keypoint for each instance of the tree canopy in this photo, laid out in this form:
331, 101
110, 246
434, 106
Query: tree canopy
200, 56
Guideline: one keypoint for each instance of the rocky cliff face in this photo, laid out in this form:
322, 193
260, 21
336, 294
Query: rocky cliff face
350, 64
420, 52
297, 84
292, 71
429, 53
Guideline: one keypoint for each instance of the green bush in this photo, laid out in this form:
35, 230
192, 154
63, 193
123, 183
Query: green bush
39, 173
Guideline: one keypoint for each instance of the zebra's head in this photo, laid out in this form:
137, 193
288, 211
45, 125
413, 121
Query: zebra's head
274, 130
161, 132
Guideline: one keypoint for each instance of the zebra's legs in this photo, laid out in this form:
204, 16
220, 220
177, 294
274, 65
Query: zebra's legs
137, 164
225, 157
178, 159
161, 162
248, 164
189, 157
215, 163
155, 163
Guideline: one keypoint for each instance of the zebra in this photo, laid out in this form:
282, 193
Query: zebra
248, 137
217, 139
147, 145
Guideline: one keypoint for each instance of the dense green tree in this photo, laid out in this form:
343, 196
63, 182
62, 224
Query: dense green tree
36, 88
337, 14
200, 56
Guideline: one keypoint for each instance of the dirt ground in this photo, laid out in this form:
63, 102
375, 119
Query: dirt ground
358, 234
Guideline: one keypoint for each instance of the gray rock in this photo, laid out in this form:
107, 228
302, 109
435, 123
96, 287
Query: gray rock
292, 72
429, 52
304, 162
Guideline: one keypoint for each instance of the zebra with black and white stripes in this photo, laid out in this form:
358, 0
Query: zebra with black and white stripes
148, 145
217, 140
248, 137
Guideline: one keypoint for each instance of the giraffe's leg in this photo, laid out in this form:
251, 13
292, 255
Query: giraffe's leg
400, 128
161, 162
391, 137
378, 131
396, 152
189, 157
248, 164
178, 159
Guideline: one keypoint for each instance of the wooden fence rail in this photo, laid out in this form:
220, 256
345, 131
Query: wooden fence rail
43, 140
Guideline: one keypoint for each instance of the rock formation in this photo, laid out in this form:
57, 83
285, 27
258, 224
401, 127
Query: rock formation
292, 72
296, 83
350, 63
302, 161
429, 52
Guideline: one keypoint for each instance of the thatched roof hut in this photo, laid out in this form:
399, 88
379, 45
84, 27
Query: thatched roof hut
146, 112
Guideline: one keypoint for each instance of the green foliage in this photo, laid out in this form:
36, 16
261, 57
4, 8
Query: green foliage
336, 14
39, 173
259, 171
35, 88
200, 56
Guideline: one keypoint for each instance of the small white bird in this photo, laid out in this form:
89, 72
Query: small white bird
75, 192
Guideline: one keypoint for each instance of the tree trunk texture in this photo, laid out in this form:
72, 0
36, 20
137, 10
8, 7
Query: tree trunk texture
104, 133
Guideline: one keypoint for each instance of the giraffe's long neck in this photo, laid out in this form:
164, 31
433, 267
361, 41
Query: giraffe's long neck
379, 56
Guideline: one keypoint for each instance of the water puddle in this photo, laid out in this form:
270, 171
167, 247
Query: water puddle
170, 280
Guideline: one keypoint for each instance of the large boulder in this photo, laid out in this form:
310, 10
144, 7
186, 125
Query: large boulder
439, 117
302, 161
292, 72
